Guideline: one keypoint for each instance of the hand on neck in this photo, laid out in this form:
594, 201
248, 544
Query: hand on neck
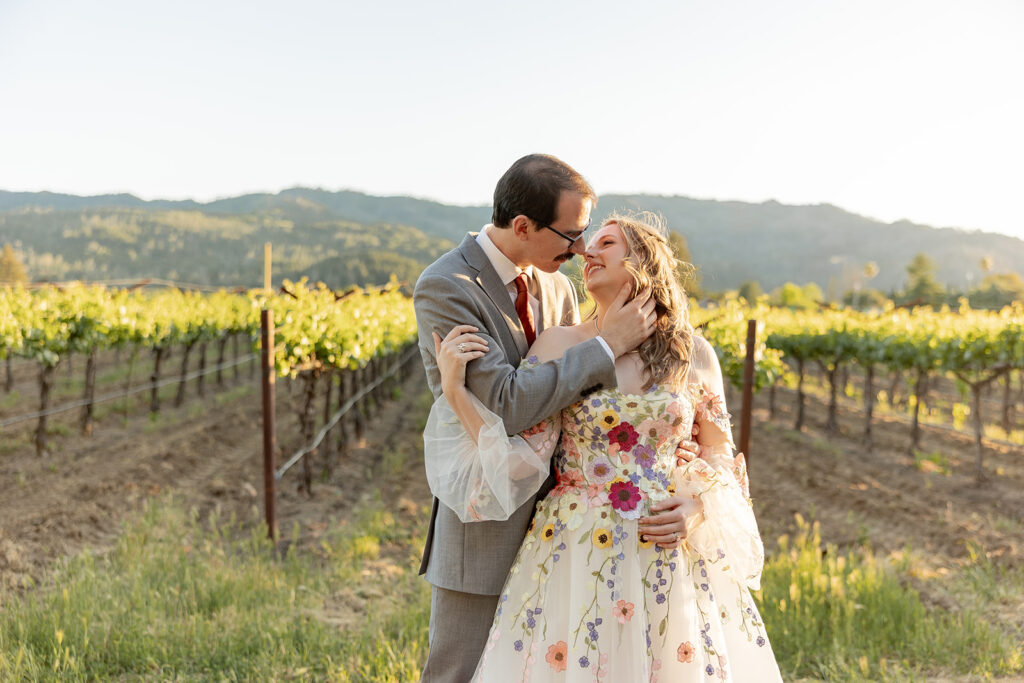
599, 314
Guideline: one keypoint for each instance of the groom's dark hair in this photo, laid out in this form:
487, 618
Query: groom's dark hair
532, 186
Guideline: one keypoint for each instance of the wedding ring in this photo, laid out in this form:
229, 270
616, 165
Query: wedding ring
461, 346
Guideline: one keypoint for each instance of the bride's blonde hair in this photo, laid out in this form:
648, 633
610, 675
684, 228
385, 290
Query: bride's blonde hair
649, 259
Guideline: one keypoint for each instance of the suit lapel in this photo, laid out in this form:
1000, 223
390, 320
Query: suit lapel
550, 311
488, 280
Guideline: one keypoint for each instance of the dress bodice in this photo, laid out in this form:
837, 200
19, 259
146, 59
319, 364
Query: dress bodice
618, 449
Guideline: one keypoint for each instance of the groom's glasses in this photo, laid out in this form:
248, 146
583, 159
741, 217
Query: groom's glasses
572, 240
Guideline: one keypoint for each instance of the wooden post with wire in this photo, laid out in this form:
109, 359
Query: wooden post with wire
748, 390
268, 375
269, 431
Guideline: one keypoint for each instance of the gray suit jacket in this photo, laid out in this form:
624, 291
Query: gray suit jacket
462, 288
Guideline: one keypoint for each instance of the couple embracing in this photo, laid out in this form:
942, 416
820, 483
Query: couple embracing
611, 537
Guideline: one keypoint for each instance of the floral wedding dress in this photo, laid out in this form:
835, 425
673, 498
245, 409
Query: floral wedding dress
586, 599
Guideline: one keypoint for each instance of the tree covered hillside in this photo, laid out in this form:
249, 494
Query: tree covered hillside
348, 237
212, 248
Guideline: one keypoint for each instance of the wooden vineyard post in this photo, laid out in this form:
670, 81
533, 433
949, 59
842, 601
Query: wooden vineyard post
328, 464
269, 436
90, 392
344, 391
869, 406
221, 343
360, 407
154, 400
200, 388
234, 343
800, 397
374, 394
306, 422
46, 372
748, 390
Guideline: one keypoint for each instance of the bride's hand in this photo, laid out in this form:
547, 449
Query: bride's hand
454, 352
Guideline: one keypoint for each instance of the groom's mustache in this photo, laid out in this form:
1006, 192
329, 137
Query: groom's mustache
565, 257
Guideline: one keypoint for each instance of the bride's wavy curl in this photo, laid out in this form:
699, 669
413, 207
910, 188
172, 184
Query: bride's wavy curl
649, 259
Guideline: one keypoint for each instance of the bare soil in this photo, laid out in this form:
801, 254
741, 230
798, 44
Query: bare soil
208, 453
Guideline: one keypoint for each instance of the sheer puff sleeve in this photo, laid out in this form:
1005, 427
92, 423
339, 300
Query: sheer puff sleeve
492, 478
726, 530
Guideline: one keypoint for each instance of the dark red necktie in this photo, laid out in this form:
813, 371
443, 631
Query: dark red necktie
524, 309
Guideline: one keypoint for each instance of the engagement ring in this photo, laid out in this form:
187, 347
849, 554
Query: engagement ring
461, 346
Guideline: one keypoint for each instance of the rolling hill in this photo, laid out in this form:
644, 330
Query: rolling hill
349, 237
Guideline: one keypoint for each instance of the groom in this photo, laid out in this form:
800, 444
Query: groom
504, 280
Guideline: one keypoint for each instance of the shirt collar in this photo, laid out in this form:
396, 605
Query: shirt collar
506, 270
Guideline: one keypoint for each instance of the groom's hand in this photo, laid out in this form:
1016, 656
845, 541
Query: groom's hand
686, 451
629, 322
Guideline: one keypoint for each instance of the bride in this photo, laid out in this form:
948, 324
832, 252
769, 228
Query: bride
592, 596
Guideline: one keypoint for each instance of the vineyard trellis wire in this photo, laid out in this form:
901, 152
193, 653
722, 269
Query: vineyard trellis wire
404, 358
114, 395
350, 337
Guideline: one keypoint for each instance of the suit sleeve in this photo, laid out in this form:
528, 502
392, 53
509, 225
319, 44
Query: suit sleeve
523, 397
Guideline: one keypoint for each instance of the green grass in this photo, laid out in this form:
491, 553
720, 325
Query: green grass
997, 585
847, 616
179, 599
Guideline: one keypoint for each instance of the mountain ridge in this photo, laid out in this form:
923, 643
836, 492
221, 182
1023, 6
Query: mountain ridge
732, 241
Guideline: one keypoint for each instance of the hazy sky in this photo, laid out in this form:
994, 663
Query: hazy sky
893, 109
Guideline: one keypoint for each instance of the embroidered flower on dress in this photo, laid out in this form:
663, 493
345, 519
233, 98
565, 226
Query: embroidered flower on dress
535, 429
609, 419
597, 495
600, 470
684, 653
568, 478
624, 495
623, 437
548, 532
623, 611
657, 431
556, 655
645, 455
602, 538
675, 410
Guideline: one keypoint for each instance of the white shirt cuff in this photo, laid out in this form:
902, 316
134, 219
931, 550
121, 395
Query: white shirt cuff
606, 347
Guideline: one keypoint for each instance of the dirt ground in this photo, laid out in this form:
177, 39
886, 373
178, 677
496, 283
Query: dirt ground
209, 454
